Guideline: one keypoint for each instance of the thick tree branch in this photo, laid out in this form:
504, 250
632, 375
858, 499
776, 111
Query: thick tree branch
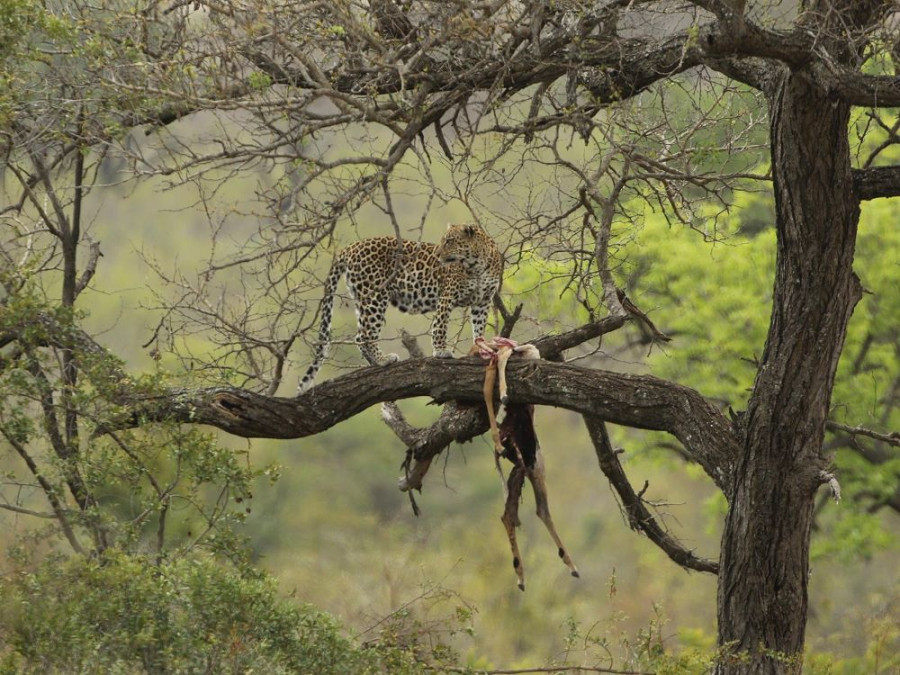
877, 182
756, 73
639, 401
743, 38
851, 86
552, 347
631, 67
611, 67
458, 423
730, 42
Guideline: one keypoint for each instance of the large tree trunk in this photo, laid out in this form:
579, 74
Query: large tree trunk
765, 547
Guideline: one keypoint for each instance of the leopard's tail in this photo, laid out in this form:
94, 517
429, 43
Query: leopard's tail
338, 267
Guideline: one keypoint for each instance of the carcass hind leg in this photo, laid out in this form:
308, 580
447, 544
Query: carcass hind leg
510, 519
536, 476
490, 376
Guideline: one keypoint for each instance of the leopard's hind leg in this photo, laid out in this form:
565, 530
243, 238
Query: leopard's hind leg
370, 321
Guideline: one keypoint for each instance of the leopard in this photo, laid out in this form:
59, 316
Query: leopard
464, 269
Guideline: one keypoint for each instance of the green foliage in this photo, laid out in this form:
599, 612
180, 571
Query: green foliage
875, 627
865, 394
17, 17
713, 299
96, 62
149, 597
161, 485
259, 81
866, 372
123, 614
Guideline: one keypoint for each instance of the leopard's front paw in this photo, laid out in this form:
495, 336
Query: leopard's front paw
388, 358
443, 354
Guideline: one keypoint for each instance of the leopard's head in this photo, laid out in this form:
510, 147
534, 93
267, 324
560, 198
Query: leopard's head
465, 244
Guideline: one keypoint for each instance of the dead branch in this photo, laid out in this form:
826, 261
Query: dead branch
639, 518
892, 438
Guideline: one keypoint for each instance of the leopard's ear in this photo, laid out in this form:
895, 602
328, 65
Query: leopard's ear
470, 230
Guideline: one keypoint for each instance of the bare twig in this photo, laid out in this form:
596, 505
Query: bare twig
892, 438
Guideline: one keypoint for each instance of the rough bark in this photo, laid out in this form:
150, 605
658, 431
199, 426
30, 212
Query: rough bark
877, 182
640, 401
765, 546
